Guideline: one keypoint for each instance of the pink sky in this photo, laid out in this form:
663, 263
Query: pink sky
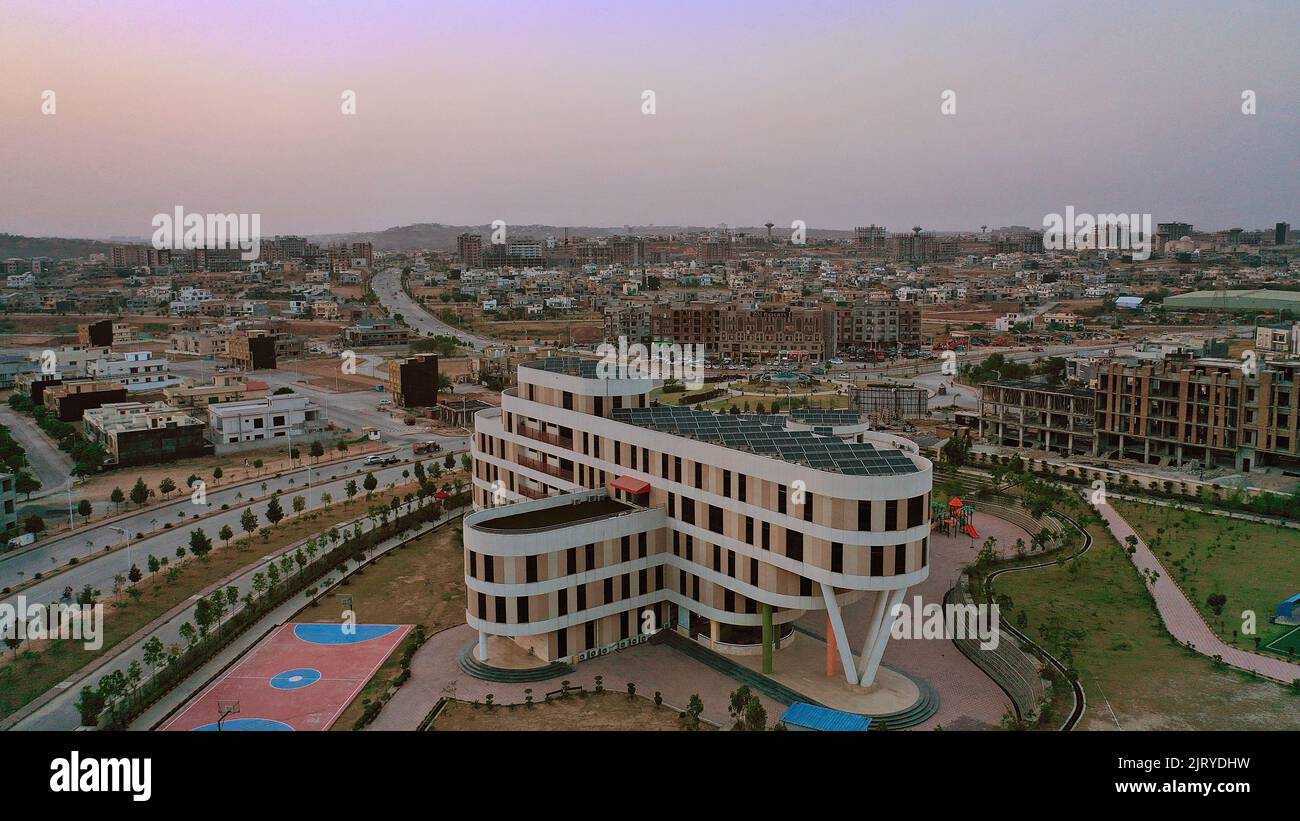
531, 112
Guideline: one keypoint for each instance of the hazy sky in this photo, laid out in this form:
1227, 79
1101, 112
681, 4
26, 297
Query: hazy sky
531, 112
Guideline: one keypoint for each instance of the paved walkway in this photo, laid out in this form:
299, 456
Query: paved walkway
1180, 616
968, 698
434, 674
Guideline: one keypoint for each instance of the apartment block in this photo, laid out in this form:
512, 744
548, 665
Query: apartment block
1203, 411
866, 328
469, 247
139, 433
631, 322
1025, 414
595, 510
742, 333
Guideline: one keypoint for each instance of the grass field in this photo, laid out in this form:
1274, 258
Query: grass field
1134, 674
420, 583
584, 711
1256, 566
1287, 644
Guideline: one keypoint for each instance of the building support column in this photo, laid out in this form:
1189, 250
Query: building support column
482, 645
715, 629
830, 648
767, 638
836, 635
871, 660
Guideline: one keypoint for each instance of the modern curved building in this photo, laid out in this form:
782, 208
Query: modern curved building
600, 519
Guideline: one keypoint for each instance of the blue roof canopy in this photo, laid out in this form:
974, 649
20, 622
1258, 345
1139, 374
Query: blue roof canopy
813, 717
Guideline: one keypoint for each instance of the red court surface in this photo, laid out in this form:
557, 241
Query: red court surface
301, 677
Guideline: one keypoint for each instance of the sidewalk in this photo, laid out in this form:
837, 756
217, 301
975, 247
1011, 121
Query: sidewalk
1183, 620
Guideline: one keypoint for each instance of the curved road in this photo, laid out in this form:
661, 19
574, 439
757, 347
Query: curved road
387, 285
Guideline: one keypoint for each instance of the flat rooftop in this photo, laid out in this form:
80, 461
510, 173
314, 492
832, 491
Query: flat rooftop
558, 515
571, 365
753, 436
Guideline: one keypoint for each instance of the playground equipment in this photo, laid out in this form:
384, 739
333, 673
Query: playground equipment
952, 518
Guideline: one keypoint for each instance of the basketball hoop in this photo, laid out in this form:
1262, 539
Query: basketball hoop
226, 709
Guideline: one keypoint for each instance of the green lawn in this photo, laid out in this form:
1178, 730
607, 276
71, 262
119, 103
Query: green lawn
1256, 566
1128, 664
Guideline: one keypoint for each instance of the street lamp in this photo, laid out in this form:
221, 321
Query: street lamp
126, 539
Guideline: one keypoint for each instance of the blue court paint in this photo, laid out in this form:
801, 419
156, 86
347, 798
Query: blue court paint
295, 678
235, 725
334, 633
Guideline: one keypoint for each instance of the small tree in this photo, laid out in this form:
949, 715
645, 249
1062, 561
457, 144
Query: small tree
84, 508
299, 504
200, 544
274, 513
117, 497
317, 450
248, 521
166, 487
370, 483
225, 533
139, 493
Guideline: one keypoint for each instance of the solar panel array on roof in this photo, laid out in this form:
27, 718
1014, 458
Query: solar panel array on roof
826, 416
571, 365
754, 436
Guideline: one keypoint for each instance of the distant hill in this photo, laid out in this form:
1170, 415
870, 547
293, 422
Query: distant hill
13, 245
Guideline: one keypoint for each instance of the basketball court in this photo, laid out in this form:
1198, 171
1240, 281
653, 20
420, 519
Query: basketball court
301, 677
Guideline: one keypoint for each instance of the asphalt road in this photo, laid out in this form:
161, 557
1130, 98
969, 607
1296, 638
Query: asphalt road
50, 465
387, 285
97, 568
61, 713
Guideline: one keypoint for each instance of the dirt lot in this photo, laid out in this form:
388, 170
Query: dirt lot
584, 711
232, 467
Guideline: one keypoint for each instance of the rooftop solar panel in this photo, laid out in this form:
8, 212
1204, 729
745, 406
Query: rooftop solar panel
767, 435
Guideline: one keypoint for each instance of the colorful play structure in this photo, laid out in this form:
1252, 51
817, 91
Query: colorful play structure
952, 518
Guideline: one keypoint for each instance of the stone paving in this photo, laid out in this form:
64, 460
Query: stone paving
968, 698
434, 674
1180, 616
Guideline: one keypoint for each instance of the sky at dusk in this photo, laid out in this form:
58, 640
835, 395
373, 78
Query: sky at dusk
467, 112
